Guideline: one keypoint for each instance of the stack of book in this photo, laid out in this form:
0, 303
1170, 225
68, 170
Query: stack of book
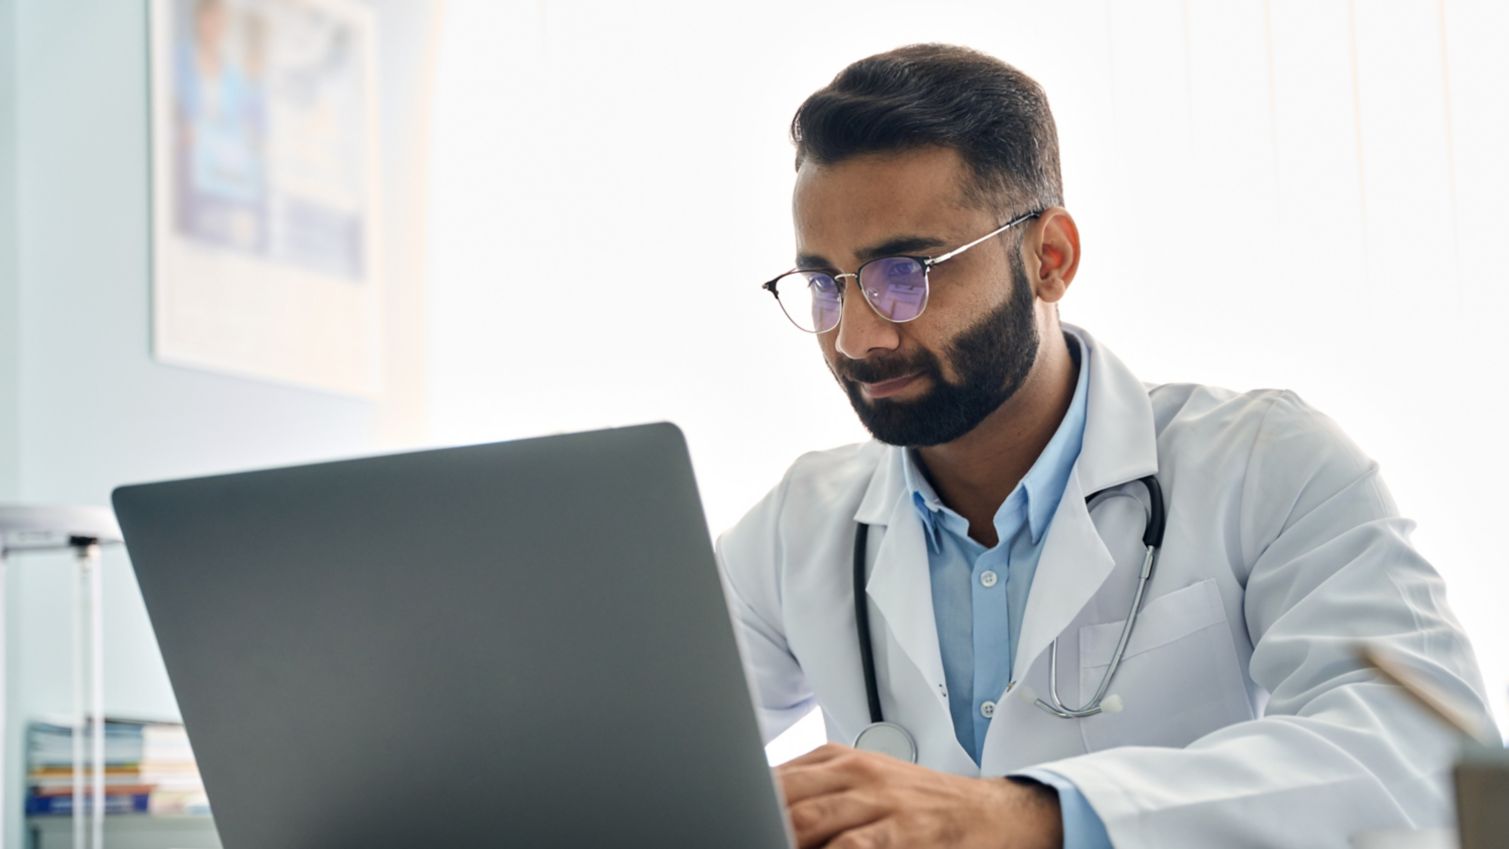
149, 769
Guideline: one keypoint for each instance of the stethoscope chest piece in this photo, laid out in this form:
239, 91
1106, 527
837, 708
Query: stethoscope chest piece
887, 738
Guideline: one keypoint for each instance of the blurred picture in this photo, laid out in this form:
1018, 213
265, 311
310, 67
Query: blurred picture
267, 133
265, 190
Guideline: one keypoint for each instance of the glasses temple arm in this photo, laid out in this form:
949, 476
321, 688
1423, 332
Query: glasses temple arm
996, 232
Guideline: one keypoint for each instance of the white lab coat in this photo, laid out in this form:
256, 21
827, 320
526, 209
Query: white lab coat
1247, 720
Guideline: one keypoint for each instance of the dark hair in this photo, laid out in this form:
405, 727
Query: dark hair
923, 95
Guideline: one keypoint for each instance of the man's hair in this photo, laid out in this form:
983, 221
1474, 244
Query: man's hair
924, 95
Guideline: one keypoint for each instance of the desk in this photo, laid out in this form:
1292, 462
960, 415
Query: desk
1435, 838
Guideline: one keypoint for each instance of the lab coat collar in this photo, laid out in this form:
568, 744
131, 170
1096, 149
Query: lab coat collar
887, 484
1121, 439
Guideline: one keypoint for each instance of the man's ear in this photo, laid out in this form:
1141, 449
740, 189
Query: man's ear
1054, 243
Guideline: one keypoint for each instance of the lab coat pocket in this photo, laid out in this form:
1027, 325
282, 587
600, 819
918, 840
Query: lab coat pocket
1179, 678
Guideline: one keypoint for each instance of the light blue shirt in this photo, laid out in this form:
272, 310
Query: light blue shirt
980, 594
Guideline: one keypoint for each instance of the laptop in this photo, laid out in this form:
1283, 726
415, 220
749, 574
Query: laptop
518, 644
1481, 778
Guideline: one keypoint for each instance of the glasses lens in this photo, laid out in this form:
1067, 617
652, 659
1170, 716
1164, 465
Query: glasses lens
810, 299
895, 286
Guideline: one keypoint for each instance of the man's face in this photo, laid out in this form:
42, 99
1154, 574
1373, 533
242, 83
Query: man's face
209, 24
934, 379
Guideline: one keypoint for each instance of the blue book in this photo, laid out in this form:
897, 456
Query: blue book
62, 806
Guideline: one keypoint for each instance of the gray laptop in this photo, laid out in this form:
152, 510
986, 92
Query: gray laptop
520, 644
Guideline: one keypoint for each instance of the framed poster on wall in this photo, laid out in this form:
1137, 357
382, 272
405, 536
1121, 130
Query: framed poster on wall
264, 190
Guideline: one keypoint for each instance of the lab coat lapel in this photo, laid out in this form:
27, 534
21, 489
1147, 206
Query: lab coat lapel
901, 588
900, 585
1120, 445
1074, 563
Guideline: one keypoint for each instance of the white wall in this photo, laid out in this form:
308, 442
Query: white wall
92, 409
1298, 193
9, 286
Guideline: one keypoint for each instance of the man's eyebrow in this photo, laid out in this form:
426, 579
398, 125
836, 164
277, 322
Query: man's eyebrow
899, 246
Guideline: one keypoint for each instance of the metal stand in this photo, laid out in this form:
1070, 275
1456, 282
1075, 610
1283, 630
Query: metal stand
81, 530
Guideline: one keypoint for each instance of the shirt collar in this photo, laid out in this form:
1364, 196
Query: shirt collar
1042, 487
930, 508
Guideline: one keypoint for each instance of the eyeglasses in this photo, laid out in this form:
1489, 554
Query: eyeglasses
894, 286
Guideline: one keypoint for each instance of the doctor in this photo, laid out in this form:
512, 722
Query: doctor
1007, 521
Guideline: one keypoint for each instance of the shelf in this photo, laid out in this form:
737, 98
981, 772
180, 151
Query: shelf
129, 831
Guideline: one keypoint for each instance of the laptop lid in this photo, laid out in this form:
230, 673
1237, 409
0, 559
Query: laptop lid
517, 644
1481, 779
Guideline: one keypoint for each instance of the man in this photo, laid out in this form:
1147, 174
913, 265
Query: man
990, 636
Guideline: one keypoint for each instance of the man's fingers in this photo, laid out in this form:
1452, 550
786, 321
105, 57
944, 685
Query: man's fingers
875, 835
804, 782
819, 819
825, 752
828, 770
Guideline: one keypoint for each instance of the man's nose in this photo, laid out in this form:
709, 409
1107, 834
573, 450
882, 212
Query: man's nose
861, 331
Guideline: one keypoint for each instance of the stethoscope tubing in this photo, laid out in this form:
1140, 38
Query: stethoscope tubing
1093, 706
862, 622
1152, 538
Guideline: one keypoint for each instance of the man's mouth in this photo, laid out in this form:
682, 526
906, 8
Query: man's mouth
885, 388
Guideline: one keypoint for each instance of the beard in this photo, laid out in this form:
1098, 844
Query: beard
991, 360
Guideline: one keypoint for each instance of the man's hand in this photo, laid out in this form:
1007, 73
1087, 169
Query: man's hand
842, 798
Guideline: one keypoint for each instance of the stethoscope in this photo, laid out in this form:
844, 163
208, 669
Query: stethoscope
891, 739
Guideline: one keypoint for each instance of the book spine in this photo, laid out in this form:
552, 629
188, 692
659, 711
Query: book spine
62, 806
111, 789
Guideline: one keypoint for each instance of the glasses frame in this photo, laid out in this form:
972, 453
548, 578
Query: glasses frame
927, 263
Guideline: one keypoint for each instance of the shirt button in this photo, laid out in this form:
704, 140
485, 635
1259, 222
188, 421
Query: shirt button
988, 579
987, 709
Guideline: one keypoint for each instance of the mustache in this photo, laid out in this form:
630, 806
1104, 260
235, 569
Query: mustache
879, 369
